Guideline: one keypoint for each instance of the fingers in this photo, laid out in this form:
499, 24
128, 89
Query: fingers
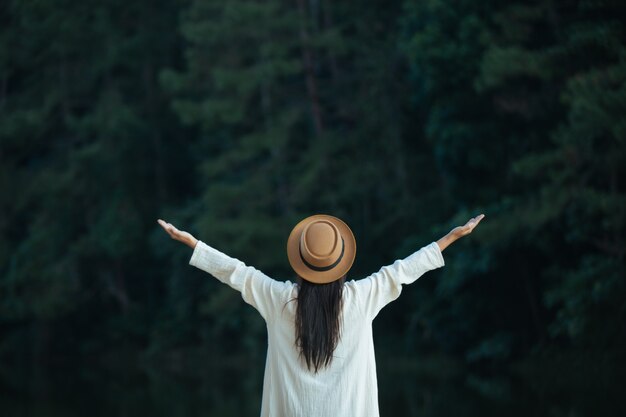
471, 224
165, 225
468, 227
169, 228
474, 221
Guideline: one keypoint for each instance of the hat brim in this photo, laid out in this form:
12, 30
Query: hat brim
321, 277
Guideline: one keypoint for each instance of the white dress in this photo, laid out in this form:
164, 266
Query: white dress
348, 387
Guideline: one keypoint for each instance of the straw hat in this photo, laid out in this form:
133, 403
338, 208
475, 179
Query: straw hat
321, 248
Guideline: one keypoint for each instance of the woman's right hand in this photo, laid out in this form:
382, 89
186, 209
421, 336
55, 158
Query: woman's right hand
459, 231
179, 235
467, 228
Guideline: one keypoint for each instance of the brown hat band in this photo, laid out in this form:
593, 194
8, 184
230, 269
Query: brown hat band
324, 268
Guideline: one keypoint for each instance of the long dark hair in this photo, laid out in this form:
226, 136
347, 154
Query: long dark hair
318, 321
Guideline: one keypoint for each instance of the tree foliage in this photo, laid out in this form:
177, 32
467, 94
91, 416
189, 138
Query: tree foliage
236, 119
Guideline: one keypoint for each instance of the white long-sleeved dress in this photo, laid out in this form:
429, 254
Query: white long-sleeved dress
348, 387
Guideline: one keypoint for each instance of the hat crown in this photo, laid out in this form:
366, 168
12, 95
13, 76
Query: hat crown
321, 248
320, 243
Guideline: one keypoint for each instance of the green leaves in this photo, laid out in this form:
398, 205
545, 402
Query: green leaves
237, 119
546, 83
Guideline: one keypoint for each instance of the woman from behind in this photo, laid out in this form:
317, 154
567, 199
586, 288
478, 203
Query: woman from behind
320, 356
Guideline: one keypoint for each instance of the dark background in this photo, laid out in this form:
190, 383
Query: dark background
235, 119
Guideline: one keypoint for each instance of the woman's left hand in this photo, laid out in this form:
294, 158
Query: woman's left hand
179, 235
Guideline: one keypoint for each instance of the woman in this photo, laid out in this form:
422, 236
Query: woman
320, 357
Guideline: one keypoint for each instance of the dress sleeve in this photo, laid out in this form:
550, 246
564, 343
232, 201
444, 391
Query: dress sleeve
384, 286
257, 289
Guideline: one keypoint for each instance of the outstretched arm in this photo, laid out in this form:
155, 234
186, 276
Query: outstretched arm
458, 232
257, 289
384, 286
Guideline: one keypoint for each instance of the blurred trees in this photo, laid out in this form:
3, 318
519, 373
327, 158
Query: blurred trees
85, 134
523, 108
235, 120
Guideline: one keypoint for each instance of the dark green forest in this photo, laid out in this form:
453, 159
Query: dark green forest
236, 119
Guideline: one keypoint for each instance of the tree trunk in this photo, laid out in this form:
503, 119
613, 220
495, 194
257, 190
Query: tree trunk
307, 60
